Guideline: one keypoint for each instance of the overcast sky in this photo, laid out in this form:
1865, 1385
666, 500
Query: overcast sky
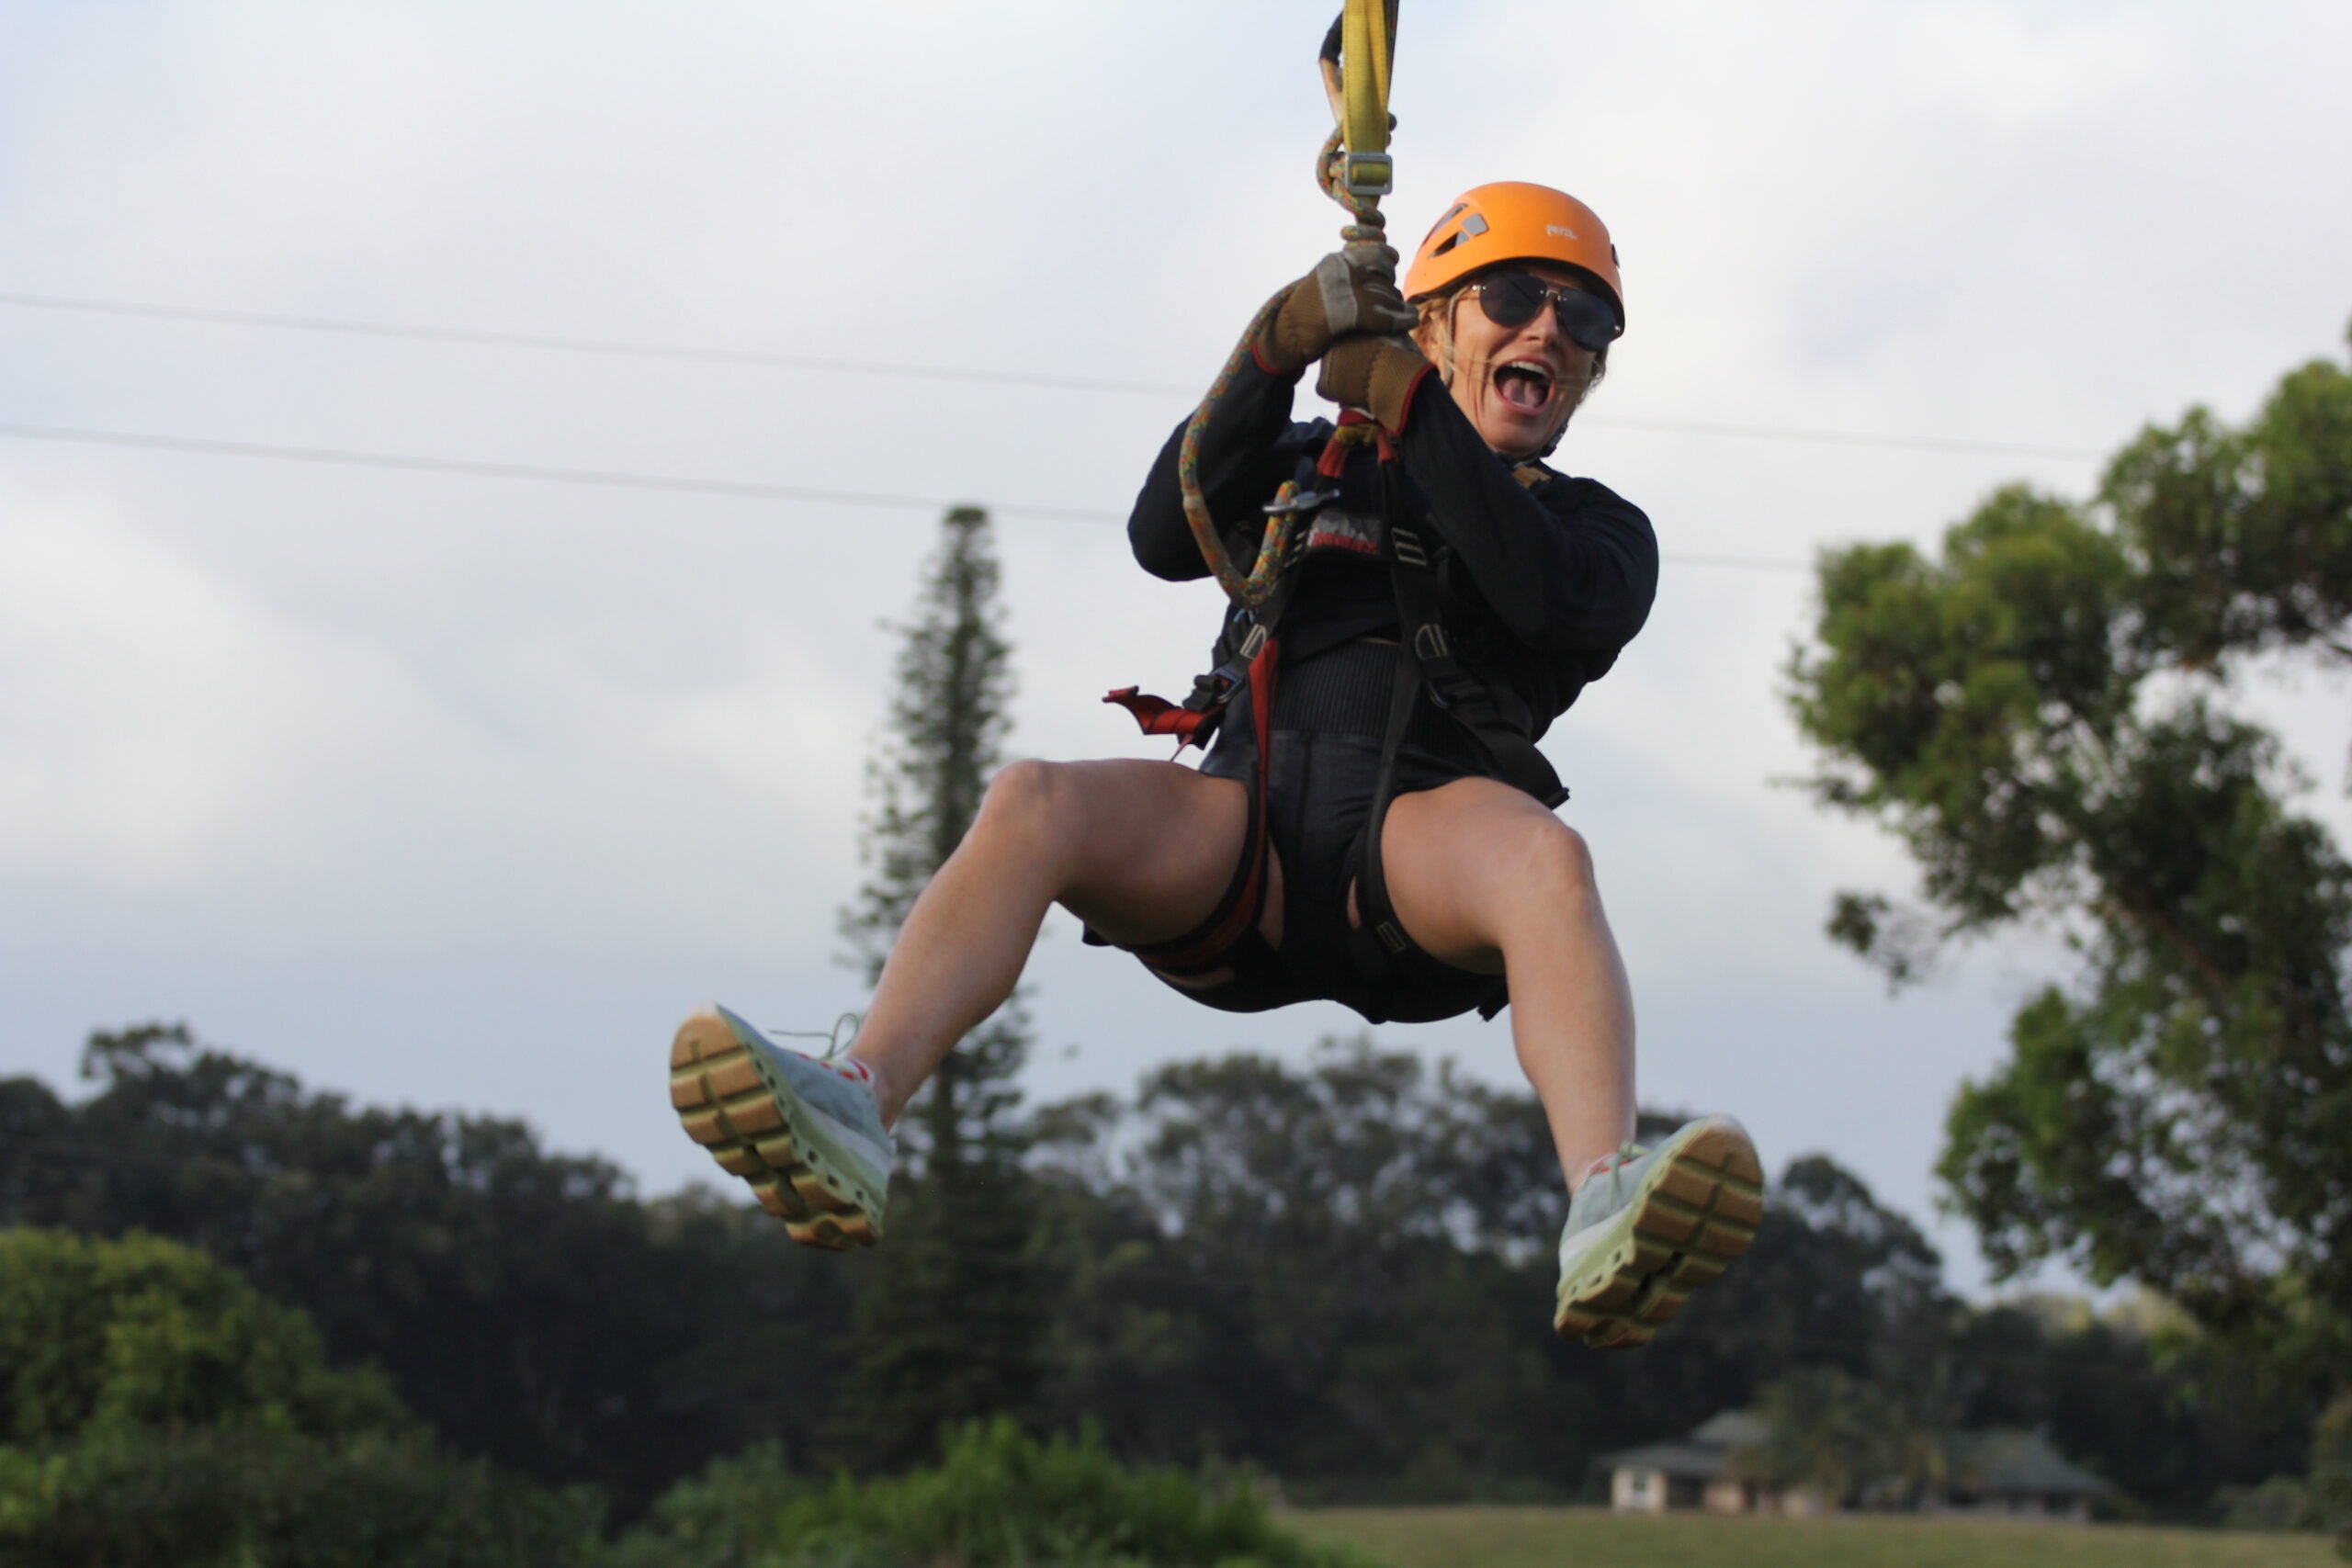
459, 790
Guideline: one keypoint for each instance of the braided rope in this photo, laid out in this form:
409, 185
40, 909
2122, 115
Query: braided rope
1277, 543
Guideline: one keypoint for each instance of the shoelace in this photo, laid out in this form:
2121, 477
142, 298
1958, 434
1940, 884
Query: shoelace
1610, 1163
837, 1039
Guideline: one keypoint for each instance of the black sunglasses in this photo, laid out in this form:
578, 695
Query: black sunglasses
1511, 299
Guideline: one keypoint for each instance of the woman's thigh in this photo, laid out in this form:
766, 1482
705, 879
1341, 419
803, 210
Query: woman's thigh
1148, 848
1465, 860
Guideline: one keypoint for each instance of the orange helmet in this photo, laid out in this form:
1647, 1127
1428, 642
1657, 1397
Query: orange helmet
1511, 221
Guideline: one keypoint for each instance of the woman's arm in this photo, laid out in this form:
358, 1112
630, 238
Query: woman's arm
1247, 450
1569, 565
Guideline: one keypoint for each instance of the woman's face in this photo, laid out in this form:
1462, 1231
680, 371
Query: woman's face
1517, 385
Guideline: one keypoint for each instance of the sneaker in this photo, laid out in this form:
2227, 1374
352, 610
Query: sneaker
1649, 1227
806, 1133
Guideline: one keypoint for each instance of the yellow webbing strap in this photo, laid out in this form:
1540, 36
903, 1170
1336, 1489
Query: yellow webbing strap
1368, 36
1355, 170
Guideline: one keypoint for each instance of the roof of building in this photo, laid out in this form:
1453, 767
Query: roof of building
1684, 1461
2002, 1460
2007, 1459
1732, 1429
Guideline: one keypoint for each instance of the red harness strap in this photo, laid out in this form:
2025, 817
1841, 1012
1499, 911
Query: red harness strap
1210, 947
1159, 715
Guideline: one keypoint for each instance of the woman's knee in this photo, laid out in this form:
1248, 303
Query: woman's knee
1553, 865
1121, 823
1027, 803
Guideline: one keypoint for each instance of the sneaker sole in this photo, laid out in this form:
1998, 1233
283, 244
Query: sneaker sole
1695, 1216
760, 1132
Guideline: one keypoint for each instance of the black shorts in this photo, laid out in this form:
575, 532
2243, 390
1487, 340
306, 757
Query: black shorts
1329, 713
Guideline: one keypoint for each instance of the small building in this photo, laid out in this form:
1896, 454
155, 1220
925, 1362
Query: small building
2006, 1471
2002, 1470
1697, 1472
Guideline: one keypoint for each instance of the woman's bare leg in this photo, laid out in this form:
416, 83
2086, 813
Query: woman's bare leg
1140, 851
1483, 878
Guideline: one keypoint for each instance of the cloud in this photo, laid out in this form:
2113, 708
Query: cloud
154, 709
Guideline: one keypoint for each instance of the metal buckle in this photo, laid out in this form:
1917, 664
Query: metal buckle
1366, 175
1304, 500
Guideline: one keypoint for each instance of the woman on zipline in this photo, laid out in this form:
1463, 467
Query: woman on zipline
1372, 825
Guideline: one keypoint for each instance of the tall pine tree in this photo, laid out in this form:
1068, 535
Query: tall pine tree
949, 1325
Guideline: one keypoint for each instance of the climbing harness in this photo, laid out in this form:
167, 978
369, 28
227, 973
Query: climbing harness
1355, 170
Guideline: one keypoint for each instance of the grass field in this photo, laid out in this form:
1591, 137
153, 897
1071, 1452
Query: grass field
1594, 1538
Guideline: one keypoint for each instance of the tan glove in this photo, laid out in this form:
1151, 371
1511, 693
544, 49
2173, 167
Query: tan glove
1351, 290
1374, 374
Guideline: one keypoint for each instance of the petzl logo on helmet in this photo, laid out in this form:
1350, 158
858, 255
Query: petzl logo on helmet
1560, 229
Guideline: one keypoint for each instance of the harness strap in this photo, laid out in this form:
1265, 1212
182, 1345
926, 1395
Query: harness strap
1223, 940
1157, 716
1378, 937
1248, 630
1426, 660
1509, 754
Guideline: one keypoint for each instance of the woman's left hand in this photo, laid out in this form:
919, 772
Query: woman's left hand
1351, 290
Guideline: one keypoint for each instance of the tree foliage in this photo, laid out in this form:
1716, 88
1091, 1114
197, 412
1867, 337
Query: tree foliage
2331, 1485
225, 1498
947, 1331
997, 1498
1244, 1262
156, 1409
2041, 713
1841, 1435
2136, 1393
520, 1300
110, 1336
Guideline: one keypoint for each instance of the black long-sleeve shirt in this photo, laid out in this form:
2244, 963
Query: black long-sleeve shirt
1540, 584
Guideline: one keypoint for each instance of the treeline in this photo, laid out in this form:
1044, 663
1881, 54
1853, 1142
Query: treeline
158, 1412
1338, 1276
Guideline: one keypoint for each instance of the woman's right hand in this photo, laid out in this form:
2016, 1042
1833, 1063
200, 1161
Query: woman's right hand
1351, 290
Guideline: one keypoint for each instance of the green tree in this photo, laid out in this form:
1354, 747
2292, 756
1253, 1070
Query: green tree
2331, 1471
1256, 1257
1851, 1438
2040, 715
998, 1498
156, 1410
146, 1333
948, 1326
522, 1301
2169, 1415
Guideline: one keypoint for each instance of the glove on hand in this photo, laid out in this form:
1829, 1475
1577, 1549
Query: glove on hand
1374, 374
1351, 290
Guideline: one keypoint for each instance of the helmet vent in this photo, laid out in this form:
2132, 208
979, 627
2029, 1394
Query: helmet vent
1471, 228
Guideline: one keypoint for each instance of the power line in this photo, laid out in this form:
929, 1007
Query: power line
473, 468
548, 342
756, 359
736, 489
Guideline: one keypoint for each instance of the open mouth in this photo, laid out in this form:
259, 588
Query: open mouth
1524, 385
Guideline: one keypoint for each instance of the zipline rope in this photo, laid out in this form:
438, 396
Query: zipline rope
1355, 170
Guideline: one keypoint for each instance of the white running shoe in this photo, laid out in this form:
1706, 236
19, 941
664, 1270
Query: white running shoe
806, 1133
1651, 1225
